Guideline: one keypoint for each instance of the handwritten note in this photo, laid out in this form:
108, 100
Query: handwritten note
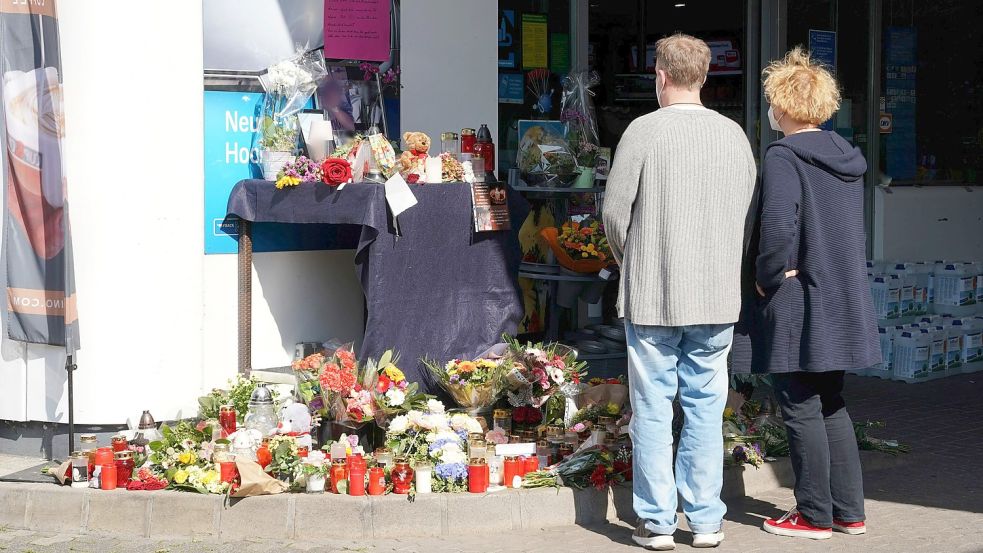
356, 29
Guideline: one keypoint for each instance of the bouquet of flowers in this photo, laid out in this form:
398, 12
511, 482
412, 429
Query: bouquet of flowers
579, 246
302, 169
325, 378
596, 466
436, 436
474, 385
539, 370
183, 457
577, 112
383, 392
288, 85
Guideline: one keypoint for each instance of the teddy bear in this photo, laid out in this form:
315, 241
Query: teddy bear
296, 421
411, 161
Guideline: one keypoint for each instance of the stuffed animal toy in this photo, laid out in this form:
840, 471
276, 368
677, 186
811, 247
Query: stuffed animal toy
295, 420
245, 442
411, 162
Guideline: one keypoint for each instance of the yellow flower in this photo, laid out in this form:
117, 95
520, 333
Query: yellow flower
287, 181
210, 476
181, 476
728, 412
187, 457
612, 409
394, 374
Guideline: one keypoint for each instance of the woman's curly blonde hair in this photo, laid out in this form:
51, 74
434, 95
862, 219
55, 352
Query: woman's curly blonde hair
802, 88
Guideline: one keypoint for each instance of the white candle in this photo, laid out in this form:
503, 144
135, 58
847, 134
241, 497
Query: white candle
319, 136
434, 169
423, 479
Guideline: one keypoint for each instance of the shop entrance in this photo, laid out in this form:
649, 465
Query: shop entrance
622, 37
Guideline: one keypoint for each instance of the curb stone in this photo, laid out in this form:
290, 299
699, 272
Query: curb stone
168, 514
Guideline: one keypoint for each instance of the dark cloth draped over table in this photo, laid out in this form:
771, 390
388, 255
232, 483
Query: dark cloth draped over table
436, 290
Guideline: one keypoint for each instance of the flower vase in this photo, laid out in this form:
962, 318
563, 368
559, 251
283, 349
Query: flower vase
586, 178
273, 161
315, 483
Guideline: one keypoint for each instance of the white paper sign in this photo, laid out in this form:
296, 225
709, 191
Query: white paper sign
398, 195
514, 450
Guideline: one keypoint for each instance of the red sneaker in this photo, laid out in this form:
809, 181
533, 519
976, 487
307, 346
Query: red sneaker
852, 528
794, 525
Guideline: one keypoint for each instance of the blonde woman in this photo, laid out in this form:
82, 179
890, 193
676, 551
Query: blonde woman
813, 317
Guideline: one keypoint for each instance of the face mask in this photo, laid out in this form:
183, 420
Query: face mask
774, 122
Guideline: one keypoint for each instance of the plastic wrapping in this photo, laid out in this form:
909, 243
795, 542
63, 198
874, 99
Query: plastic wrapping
579, 117
544, 156
289, 84
474, 394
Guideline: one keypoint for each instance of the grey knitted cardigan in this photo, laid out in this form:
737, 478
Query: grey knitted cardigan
675, 212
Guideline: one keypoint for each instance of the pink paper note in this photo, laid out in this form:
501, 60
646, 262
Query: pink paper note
356, 29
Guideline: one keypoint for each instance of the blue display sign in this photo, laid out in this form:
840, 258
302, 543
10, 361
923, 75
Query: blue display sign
511, 88
231, 155
901, 68
822, 48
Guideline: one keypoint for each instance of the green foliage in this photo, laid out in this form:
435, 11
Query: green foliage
277, 137
240, 390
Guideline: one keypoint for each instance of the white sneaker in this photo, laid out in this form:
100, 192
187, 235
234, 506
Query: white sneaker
708, 540
650, 540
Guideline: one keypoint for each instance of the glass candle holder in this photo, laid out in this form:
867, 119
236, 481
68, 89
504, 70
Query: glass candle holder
424, 478
402, 476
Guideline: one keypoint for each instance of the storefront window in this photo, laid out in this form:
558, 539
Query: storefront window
932, 92
622, 50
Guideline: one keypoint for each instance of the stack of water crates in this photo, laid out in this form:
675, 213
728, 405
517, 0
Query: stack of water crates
930, 318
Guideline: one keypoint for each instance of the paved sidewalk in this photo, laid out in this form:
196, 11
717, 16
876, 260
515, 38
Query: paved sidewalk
928, 501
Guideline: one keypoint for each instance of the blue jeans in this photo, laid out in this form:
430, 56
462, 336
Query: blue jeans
690, 361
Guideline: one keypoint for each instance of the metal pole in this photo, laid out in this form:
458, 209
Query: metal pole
245, 258
873, 118
70, 367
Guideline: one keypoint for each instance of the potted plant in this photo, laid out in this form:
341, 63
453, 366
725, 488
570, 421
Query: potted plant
586, 153
316, 475
277, 144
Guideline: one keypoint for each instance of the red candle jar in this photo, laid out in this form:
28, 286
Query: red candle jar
227, 418
402, 476
119, 443
478, 476
467, 141
108, 478
530, 464
124, 468
512, 472
356, 479
228, 471
302, 452
339, 474
377, 481
485, 147
264, 456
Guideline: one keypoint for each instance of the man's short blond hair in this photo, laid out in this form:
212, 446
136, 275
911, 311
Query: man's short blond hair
686, 59
802, 88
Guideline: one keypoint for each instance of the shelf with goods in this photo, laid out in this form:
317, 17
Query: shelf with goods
562, 314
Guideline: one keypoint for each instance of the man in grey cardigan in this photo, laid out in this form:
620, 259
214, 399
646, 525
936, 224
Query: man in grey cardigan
677, 200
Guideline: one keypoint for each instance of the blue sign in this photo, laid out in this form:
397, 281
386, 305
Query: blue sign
231, 155
511, 88
822, 48
900, 66
507, 39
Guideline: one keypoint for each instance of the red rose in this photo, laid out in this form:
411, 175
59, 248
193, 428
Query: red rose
335, 171
412, 178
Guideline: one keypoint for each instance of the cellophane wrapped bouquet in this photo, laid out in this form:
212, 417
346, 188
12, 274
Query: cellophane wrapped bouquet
326, 377
288, 85
540, 370
474, 385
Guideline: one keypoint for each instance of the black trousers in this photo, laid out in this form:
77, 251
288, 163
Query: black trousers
823, 447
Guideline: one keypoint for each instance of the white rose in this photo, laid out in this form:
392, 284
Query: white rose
415, 418
459, 421
474, 427
453, 456
435, 406
399, 424
396, 397
431, 437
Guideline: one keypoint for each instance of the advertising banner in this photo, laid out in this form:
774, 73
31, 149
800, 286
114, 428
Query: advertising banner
41, 305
